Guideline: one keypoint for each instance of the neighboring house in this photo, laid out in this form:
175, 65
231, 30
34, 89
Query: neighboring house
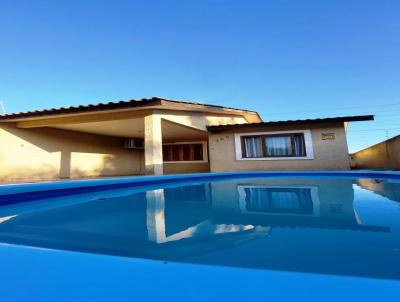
157, 136
384, 155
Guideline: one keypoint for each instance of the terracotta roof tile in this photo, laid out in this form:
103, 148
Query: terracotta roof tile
111, 105
354, 118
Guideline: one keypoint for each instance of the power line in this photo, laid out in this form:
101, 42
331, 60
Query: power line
392, 114
338, 108
378, 117
367, 130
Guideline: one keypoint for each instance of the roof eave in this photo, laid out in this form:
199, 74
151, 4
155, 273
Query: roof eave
357, 118
143, 104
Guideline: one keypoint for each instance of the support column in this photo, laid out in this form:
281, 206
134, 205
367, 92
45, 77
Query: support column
65, 164
153, 158
155, 216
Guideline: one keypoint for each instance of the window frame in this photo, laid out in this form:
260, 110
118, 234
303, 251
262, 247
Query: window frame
314, 198
307, 144
205, 153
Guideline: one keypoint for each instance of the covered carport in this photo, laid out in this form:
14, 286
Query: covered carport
111, 139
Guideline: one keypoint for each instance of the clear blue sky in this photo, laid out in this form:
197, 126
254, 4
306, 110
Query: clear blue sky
285, 59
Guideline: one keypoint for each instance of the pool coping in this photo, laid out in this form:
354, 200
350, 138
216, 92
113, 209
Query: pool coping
17, 193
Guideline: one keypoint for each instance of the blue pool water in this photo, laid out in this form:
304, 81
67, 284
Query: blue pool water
327, 225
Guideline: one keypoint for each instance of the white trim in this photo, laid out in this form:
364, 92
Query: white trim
307, 141
205, 154
314, 198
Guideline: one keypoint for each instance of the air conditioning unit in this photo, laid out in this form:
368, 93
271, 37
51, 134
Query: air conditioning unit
134, 143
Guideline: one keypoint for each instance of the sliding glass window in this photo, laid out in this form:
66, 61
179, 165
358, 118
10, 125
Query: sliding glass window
183, 152
288, 145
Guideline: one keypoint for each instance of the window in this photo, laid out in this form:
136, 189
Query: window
183, 152
276, 200
279, 200
274, 145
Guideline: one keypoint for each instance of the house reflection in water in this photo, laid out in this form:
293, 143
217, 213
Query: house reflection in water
279, 200
305, 204
189, 217
386, 188
267, 224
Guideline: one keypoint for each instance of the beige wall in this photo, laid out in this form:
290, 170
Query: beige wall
199, 120
177, 168
53, 153
385, 155
47, 153
328, 154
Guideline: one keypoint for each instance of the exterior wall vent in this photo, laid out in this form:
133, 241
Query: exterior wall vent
134, 143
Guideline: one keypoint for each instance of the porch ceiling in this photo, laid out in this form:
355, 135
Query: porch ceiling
118, 128
128, 128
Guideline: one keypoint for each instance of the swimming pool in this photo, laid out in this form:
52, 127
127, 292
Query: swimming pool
265, 227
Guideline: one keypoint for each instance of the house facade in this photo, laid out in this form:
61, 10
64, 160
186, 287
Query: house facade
162, 136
